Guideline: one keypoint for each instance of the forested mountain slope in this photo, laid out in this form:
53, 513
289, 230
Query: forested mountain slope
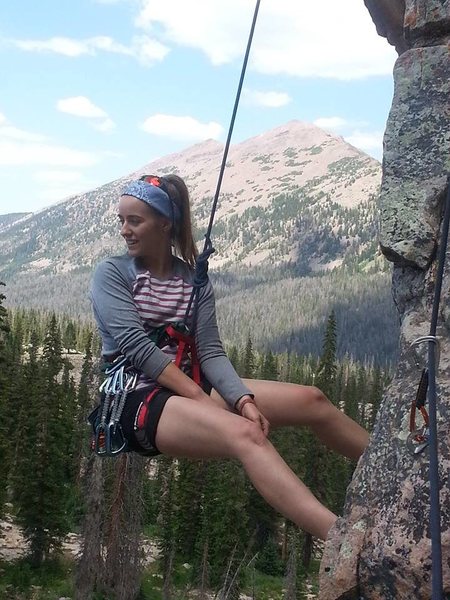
296, 203
7, 220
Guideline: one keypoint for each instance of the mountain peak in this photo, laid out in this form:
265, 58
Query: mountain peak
282, 174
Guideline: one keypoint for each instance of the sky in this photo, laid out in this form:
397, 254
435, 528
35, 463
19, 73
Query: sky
92, 90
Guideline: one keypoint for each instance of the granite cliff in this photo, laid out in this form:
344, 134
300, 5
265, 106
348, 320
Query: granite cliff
380, 549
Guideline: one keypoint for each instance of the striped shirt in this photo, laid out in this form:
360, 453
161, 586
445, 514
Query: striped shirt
160, 302
125, 315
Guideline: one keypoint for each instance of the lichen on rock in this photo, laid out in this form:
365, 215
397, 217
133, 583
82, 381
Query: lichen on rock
380, 549
416, 158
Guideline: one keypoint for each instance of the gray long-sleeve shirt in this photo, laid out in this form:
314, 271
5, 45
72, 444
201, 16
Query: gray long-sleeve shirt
122, 329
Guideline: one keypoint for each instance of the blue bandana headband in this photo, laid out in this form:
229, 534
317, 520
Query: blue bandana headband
155, 197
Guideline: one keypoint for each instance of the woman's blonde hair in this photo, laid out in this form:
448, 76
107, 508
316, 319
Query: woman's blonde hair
182, 236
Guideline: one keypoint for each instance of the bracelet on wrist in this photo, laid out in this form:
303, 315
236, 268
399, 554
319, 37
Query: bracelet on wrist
243, 401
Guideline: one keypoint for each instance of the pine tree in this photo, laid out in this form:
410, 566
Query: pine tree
72, 463
43, 484
86, 394
269, 367
233, 355
27, 481
248, 360
354, 393
269, 559
84, 338
69, 338
326, 374
5, 364
224, 519
165, 523
188, 497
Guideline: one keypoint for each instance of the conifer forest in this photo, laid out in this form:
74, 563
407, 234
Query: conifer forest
153, 528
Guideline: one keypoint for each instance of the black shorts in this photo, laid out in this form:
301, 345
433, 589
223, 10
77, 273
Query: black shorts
142, 440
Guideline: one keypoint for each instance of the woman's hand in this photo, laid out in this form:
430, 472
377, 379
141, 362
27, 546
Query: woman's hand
175, 380
250, 411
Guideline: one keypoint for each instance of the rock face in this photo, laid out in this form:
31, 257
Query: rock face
388, 16
381, 548
416, 156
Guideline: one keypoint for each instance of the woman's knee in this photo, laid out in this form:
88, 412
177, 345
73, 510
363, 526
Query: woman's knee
247, 435
317, 406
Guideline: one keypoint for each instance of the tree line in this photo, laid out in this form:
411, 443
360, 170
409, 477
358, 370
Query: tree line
204, 513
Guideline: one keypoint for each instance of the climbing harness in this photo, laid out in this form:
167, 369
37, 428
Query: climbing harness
121, 378
427, 388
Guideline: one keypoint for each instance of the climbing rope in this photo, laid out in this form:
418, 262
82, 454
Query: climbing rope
427, 436
201, 265
121, 379
435, 511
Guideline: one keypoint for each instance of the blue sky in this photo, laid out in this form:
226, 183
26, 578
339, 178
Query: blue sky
94, 89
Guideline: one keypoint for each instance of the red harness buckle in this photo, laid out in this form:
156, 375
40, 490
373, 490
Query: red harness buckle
186, 344
143, 409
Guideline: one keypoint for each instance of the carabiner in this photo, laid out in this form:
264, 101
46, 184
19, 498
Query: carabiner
115, 440
119, 362
418, 440
426, 339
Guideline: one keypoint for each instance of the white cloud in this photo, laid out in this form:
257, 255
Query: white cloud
107, 44
148, 51
142, 48
10, 132
14, 153
215, 27
369, 141
80, 106
181, 128
356, 133
2, 119
19, 147
58, 170
58, 45
333, 123
105, 126
267, 99
324, 38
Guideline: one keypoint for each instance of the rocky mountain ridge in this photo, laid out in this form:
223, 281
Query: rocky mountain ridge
270, 181
296, 202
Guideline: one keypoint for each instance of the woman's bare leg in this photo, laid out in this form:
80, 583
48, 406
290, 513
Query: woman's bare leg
285, 404
192, 429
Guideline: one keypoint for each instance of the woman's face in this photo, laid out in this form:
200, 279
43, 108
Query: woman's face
145, 231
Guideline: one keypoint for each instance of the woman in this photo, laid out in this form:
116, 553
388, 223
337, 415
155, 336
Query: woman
134, 295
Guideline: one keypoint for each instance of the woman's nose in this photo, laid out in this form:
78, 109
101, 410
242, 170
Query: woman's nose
124, 230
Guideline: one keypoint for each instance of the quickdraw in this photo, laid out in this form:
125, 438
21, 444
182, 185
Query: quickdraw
418, 438
108, 438
121, 379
